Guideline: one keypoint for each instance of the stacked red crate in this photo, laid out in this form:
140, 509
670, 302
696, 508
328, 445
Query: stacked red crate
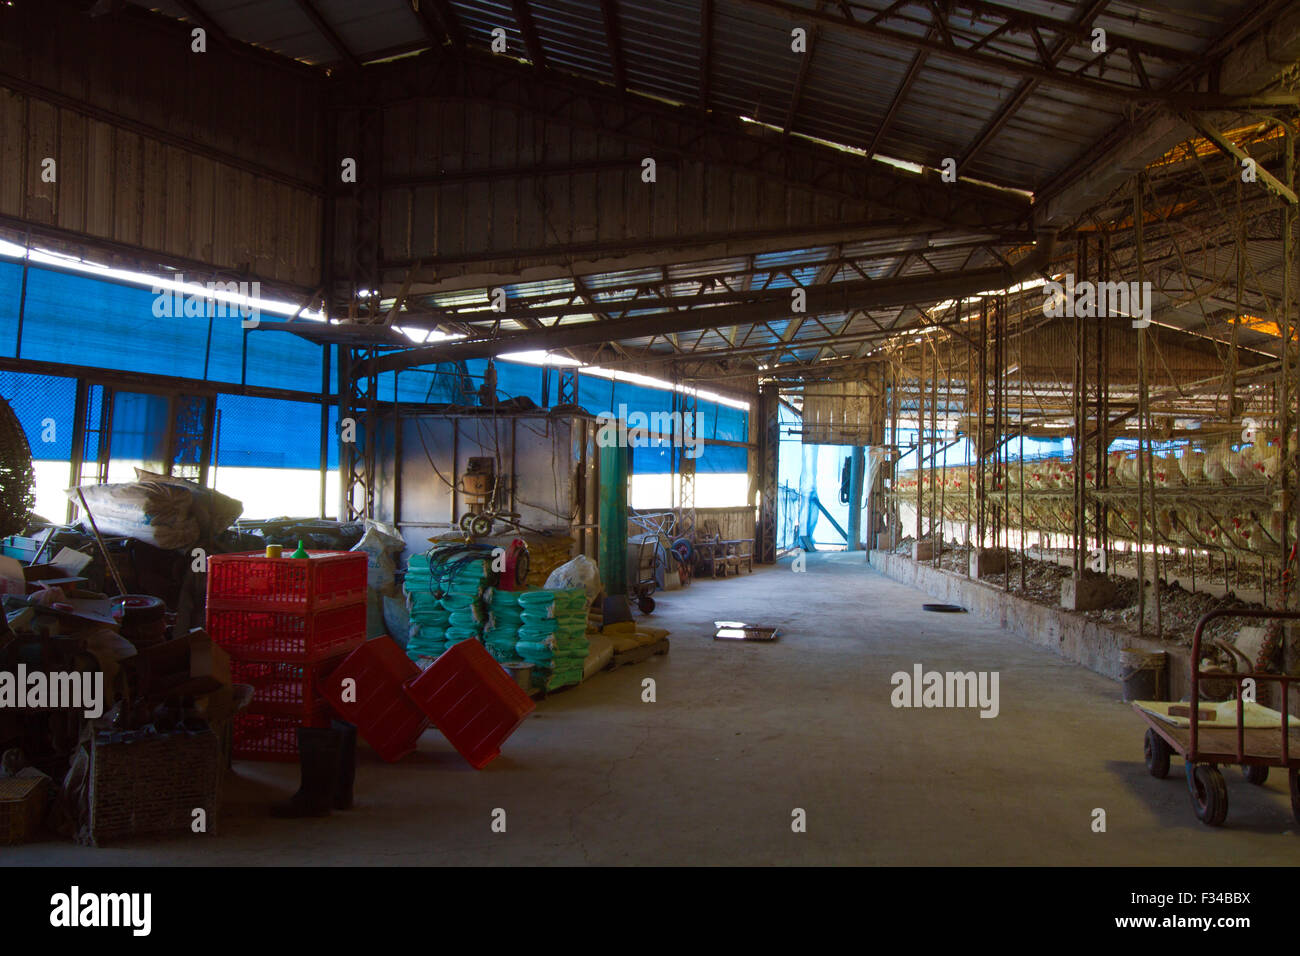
286, 623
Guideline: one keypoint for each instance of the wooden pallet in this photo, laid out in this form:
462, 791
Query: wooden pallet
638, 654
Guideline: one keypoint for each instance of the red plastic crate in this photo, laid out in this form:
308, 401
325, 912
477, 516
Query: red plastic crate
254, 581
385, 717
471, 699
272, 737
287, 637
283, 688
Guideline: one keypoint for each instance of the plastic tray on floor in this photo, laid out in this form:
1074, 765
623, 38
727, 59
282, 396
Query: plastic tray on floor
470, 698
367, 689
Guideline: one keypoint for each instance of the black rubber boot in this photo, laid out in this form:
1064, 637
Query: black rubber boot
319, 749
347, 764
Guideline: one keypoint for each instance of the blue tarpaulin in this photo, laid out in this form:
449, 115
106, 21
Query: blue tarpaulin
82, 320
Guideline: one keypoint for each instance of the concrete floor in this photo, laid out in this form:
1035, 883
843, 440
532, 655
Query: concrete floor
741, 734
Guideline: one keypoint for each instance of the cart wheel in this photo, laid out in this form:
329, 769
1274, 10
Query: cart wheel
1256, 773
646, 603
1295, 794
1157, 753
465, 520
480, 526
1209, 794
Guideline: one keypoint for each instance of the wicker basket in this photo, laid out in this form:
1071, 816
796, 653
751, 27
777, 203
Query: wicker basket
22, 806
154, 785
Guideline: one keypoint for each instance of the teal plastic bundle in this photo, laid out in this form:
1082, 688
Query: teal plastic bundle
444, 590
468, 619
425, 642
535, 632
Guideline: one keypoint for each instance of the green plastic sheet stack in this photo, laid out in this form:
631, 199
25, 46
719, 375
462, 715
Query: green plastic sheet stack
429, 619
444, 594
553, 635
504, 618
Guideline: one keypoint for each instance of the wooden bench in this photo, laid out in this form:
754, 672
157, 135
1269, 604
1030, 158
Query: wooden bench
721, 557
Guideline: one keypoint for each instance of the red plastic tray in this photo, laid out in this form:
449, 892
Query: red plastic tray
254, 581
385, 717
471, 699
283, 688
271, 737
288, 637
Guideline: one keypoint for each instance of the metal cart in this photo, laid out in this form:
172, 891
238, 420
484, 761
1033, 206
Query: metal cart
656, 533
1204, 749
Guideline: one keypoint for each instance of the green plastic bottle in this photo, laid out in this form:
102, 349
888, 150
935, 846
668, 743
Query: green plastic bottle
301, 552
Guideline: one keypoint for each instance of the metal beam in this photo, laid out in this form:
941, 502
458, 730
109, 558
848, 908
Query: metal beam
1249, 58
449, 22
1262, 175
328, 32
614, 40
532, 39
840, 297
1026, 88
200, 16
905, 87
706, 51
804, 66
985, 61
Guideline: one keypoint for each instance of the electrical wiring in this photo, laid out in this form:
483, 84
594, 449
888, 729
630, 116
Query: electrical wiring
446, 560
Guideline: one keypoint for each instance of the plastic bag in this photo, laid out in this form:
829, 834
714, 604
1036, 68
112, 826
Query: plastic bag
581, 572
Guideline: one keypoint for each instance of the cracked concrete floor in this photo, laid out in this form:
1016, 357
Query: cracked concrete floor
742, 734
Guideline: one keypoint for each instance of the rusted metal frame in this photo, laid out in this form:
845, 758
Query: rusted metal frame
1238, 236
1012, 65
1135, 58
833, 299
1078, 29
1076, 556
999, 120
743, 350
1113, 138
1194, 752
896, 102
1232, 150
804, 66
1183, 264
1284, 383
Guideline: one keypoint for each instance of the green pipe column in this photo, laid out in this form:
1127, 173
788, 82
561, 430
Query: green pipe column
857, 468
614, 462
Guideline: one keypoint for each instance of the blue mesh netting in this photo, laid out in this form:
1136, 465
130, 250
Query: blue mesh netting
117, 329
271, 433
45, 405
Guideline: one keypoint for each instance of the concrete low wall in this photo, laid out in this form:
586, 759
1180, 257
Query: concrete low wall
1069, 634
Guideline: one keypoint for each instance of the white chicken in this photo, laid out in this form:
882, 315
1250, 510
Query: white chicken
1192, 465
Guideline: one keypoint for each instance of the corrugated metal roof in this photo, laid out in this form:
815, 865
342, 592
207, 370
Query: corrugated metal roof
839, 92
851, 77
